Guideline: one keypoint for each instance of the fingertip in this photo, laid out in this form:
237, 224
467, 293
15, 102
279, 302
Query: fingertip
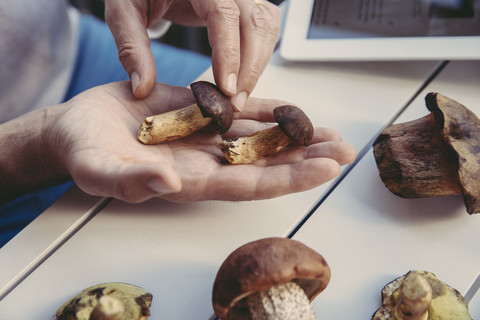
135, 80
165, 182
231, 84
351, 153
141, 86
240, 100
160, 186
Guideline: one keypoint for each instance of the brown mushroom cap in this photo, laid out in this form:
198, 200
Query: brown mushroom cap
261, 264
460, 128
213, 104
294, 123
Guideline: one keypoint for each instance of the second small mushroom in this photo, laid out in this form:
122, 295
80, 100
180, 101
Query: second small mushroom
271, 278
436, 155
293, 125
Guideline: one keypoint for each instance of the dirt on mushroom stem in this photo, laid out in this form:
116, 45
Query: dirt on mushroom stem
172, 125
258, 145
293, 125
211, 106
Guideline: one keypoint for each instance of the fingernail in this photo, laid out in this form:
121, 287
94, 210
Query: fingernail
159, 186
239, 100
135, 79
232, 83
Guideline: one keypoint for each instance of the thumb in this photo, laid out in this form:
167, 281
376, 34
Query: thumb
139, 182
128, 24
129, 182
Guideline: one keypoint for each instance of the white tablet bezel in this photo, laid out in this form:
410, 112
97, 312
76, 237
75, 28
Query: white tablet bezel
296, 46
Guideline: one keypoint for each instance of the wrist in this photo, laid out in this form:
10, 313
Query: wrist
30, 161
53, 148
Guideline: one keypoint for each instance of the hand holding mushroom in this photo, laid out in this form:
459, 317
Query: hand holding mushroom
211, 105
93, 138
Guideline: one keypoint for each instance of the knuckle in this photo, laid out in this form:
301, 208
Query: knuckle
124, 55
226, 51
126, 50
266, 23
227, 9
254, 72
123, 193
231, 52
127, 194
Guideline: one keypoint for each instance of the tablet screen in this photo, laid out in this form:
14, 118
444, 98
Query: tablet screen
394, 18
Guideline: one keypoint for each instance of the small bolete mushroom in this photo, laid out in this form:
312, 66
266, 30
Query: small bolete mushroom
436, 155
293, 125
108, 301
211, 106
420, 295
271, 278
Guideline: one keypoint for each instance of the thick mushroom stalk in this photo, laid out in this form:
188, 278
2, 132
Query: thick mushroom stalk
414, 298
293, 125
420, 295
284, 301
436, 155
269, 279
108, 308
211, 106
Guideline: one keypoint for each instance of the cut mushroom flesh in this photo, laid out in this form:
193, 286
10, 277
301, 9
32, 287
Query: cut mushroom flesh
446, 304
122, 300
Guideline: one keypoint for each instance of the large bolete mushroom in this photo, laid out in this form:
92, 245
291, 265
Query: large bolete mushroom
211, 106
436, 155
293, 125
108, 301
272, 278
420, 295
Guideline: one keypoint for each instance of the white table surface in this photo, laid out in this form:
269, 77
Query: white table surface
369, 236
38, 239
174, 250
475, 305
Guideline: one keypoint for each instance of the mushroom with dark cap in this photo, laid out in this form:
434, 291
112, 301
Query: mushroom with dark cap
436, 155
271, 278
293, 125
420, 295
211, 106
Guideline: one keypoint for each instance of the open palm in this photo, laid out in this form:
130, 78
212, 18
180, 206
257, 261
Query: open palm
96, 137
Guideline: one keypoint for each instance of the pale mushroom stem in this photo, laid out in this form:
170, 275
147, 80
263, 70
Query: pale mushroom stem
281, 302
172, 125
108, 308
256, 146
415, 297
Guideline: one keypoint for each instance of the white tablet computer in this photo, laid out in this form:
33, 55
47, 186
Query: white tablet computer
381, 30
